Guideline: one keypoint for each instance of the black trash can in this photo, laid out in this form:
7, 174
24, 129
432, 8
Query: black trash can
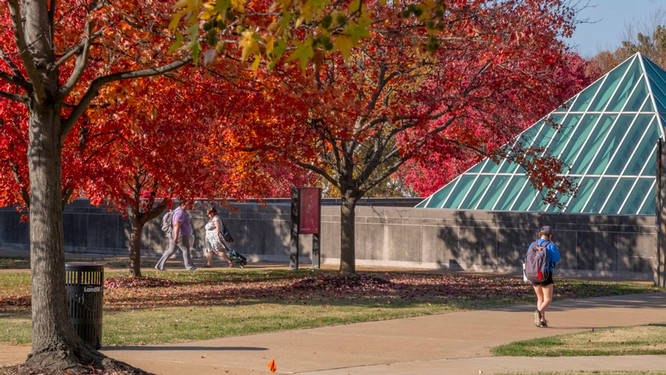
85, 289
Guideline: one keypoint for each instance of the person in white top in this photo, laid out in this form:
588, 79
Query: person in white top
214, 239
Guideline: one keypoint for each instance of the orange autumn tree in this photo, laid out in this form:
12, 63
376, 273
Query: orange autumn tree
134, 154
168, 140
149, 150
241, 139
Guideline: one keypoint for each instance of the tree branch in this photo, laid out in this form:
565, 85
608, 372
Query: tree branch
78, 47
81, 61
15, 97
25, 195
319, 171
28, 62
17, 78
371, 183
96, 84
52, 8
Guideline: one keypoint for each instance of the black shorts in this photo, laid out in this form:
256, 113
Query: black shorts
546, 282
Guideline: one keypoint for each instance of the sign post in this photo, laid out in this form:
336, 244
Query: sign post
305, 219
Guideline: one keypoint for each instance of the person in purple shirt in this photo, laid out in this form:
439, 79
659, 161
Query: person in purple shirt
544, 289
181, 237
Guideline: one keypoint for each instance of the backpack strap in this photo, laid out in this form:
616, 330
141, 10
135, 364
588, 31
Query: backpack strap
535, 244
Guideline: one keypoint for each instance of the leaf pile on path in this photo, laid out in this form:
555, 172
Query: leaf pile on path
136, 282
341, 282
15, 300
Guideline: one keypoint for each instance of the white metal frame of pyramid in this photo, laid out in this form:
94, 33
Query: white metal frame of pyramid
607, 135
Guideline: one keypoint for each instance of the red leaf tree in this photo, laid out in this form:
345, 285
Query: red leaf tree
441, 159
55, 57
145, 150
170, 139
466, 79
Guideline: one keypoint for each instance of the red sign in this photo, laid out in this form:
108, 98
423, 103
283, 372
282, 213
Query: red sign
309, 202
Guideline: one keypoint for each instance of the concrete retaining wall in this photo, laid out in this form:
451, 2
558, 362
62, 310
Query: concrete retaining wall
591, 245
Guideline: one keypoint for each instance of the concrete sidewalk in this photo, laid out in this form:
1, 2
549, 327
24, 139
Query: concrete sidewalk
454, 343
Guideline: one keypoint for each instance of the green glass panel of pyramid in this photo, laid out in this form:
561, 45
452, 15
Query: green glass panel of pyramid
633, 201
538, 204
644, 152
543, 138
631, 141
508, 167
650, 168
638, 98
578, 136
476, 168
490, 197
647, 107
490, 167
657, 83
461, 189
597, 134
585, 188
582, 101
629, 82
618, 194
648, 204
525, 198
611, 82
567, 129
475, 193
606, 135
613, 144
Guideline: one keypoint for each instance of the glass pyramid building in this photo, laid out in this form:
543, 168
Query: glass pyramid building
607, 134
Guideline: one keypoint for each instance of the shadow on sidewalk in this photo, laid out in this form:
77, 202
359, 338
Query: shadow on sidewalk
179, 348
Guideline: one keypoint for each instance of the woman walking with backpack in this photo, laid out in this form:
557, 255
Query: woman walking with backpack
179, 235
544, 289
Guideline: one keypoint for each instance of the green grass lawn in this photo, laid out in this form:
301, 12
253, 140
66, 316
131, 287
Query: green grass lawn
173, 306
639, 340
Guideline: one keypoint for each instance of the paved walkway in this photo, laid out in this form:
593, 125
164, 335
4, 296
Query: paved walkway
454, 343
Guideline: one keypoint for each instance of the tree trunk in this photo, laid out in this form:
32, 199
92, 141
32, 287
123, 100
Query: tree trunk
139, 220
54, 341
135, 247
348, 233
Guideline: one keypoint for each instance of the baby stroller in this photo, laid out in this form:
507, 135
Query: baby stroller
237, 259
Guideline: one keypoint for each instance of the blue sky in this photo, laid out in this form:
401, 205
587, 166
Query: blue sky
611, 16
